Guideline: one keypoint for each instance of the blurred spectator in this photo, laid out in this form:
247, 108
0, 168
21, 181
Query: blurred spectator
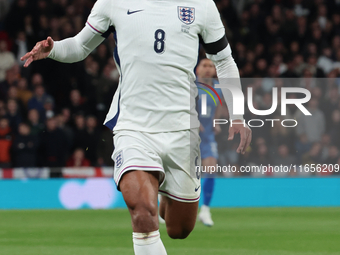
16, 16
322, 16
33, 118
313, 126
5, 143
62, 124
37, 80
261, 67
4, 7
313, 156
7, 59
67, 116
228, 11
314, 69
336, 64
78, 159
325, 61
333, 155
13, 115
330, 104
3, 111
25, 147
49, 107
38, 101
79, 132
53, 149
284, 158
20, 47
325, 142
334, 130
281, 134
280, 66
11, 79
24, 94
105, 148
77, 104
336, 23
91, 139
261, 155
299, 64
104, 89
290, 71
302, 146
101, 56
12, 94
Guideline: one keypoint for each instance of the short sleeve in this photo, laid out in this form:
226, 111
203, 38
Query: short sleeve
99, 19
213, 29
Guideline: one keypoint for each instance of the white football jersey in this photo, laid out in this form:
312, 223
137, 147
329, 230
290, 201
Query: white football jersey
157, 50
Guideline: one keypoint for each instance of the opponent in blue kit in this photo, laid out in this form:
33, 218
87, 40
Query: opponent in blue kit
152, 114
205, 73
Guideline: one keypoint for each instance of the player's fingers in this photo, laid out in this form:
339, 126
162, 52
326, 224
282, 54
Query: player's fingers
32, 52
249, 136
37, 48
45, 43
26, 56
28, 62
49, 41
243, 135
231, 134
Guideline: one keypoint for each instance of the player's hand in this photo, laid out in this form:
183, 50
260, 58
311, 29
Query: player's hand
40, 51
245, 133
217, 129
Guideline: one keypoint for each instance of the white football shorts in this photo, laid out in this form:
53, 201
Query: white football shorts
174, 154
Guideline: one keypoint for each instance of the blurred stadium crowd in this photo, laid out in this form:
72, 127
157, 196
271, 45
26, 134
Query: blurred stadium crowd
51, 113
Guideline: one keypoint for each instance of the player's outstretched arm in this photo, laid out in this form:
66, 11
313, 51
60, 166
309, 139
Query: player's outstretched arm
69, 50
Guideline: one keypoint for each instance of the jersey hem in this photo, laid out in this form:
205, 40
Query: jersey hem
115, 131
177, 198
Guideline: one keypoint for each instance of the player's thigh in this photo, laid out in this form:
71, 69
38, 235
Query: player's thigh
180, 217
140, 190
138, 172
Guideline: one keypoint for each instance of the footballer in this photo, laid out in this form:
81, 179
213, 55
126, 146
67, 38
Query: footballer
209, 154
153, 115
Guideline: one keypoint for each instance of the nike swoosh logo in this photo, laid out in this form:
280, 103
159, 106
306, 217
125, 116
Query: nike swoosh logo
196, 189
128, 12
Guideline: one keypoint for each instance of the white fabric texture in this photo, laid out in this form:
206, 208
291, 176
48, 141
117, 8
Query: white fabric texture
156, 53
155, 93
173, 154
76, 48
226, 68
